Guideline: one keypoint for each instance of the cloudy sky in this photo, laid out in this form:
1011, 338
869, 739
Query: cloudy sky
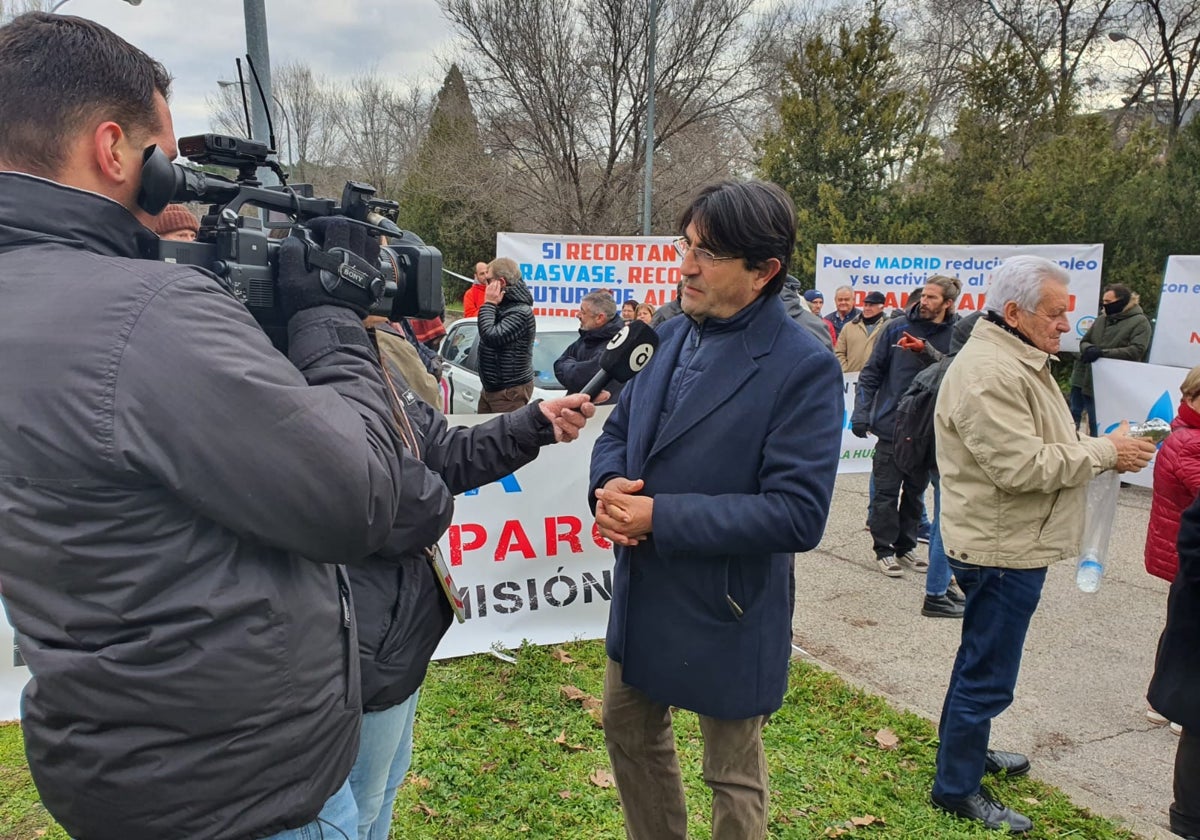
198, 41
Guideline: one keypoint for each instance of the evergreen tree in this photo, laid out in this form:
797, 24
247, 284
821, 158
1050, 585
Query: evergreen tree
848, 131
445, 197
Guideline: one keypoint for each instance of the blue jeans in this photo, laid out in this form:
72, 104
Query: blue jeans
1000, 604
1081, 402
384, 756
937, 578
338, 820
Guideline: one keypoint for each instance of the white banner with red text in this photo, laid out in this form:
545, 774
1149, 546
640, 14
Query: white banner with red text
1177, 327
1135, 391
899, 270
560, 270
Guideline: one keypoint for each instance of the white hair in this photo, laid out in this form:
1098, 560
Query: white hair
1020, 280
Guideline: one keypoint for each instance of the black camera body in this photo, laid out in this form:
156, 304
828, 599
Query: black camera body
240, 250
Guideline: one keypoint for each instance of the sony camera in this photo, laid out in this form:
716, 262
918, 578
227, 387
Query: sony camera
241, 250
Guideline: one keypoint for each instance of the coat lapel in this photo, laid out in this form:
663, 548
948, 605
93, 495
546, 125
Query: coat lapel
723, 380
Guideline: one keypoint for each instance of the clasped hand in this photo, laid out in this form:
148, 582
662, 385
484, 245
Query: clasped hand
621, 515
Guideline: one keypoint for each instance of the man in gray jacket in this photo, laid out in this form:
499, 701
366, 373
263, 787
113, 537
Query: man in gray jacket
176, 495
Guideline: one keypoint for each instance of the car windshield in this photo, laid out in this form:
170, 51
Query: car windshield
547, 347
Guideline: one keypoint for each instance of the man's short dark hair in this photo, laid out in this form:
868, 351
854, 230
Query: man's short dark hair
753, 220
56, 73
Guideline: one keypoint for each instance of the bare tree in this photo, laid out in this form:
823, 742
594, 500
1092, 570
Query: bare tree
378, 128
561, 89
1056, 36
1166, 38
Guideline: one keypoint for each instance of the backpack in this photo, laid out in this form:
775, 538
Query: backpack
915, 452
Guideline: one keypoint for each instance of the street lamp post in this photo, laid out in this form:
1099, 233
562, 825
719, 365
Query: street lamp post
56, 6
648, 185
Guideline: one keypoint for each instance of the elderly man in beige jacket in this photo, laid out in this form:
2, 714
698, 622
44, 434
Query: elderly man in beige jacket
1014, 479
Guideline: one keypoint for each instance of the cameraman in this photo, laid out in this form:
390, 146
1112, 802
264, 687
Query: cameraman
162, 469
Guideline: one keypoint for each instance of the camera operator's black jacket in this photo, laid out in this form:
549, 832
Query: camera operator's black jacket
162, 469
506, 333
402, 613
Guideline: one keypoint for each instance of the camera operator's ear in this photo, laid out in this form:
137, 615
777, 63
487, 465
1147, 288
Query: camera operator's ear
158, 181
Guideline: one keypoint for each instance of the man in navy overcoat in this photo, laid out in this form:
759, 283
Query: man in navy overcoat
716, 466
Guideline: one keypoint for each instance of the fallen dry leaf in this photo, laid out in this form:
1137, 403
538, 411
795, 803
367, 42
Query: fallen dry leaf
590, 703
869, 819
835, 831
1029, 800
422, 808
488, 766
597, 716
565, 794
601, 778
561, 740
572, 693
562, 656
886, 739
419, 782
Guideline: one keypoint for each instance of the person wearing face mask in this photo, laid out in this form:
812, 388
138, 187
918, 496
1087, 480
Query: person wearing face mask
1120, 331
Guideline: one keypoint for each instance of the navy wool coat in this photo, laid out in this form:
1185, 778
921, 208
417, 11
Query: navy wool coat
741, 472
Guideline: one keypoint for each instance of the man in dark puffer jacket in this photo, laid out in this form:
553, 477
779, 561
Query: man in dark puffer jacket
506, 333
598, 323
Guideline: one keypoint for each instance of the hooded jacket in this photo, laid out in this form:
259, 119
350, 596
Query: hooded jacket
506, 333
1125, 335
1176, 485
792, 296
890, 370
176, 497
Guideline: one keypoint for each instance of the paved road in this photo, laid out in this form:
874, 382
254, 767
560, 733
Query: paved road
1080, 702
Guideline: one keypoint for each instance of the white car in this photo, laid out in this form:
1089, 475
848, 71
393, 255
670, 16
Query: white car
460, 377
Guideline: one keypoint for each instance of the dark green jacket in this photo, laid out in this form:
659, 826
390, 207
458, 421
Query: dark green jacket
1125, 335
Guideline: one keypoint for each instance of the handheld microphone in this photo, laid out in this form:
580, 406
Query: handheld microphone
627, 352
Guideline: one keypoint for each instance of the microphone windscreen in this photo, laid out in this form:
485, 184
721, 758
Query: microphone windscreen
629, 351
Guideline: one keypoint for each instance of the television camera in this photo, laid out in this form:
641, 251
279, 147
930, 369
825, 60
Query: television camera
239, 248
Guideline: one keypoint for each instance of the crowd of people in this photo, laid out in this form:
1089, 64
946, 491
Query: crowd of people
150, 559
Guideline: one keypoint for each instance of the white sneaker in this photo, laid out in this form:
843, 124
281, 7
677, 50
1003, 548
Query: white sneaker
917, 564
889, 566
1155, 718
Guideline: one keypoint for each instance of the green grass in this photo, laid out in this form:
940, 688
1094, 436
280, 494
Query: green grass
501, 750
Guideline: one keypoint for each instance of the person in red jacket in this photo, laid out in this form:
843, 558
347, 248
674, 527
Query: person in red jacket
473, 299
1176, 486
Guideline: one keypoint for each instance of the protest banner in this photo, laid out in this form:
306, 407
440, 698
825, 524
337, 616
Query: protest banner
1177, 327
1136, 392
856, 452
525, 554
899, 270
560, 270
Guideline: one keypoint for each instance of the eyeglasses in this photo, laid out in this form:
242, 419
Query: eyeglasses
703, 255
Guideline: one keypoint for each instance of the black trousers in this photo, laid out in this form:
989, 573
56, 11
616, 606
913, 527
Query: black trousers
896, 509
1185, 810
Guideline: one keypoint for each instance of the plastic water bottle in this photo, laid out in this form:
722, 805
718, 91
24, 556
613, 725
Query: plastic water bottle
1089, 572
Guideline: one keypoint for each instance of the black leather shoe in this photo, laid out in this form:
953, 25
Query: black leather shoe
986, 809
940, 606
955, 594
1013, 764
